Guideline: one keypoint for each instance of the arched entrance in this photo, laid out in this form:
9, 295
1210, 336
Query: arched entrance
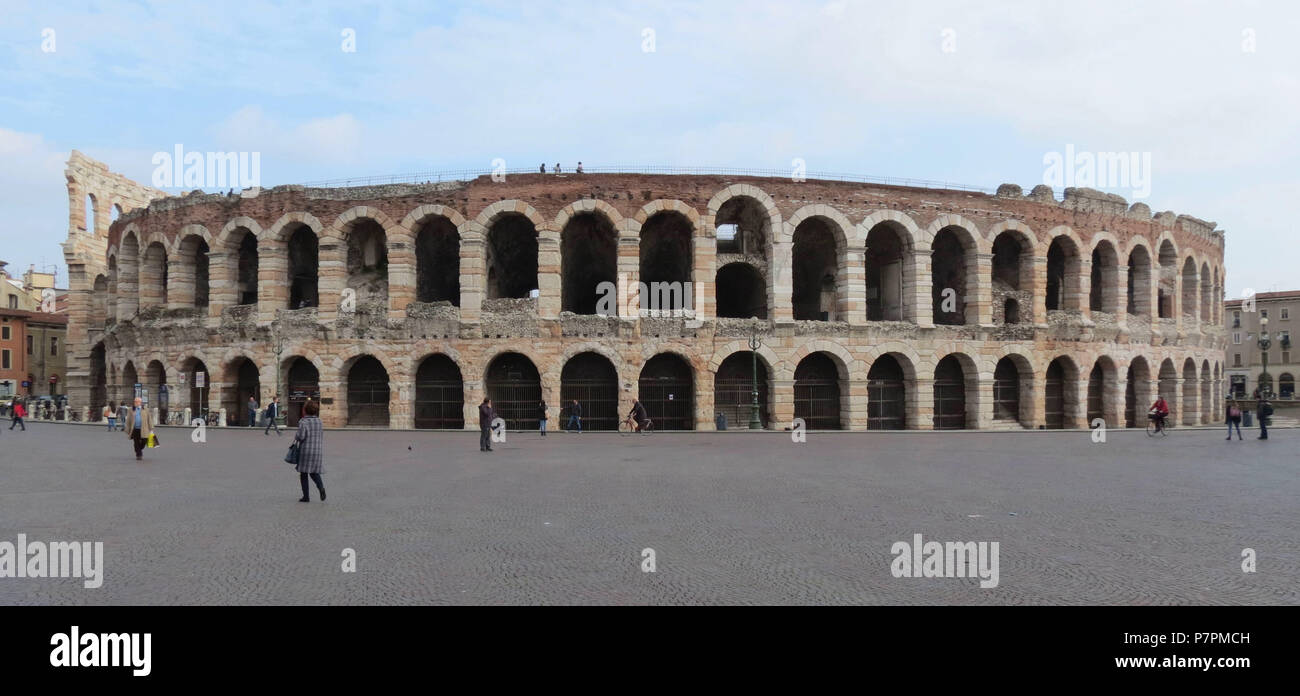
1006, 391
439, 395
515, 388
949, 395
592, 380
1096, 393
199, 383
733, 389
667, 390
242, 383
1136, 391
1054, 391
368, 393
817, 392
98, 382
157, 384
886, 395
303, 384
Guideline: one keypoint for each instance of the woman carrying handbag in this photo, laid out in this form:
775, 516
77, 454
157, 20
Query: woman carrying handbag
308, 450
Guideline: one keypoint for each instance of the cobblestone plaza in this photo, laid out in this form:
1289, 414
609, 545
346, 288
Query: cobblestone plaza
733, 518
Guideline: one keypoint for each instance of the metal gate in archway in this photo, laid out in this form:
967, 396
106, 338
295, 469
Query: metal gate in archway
666, 389
1096, 394
817, 393
592, 380
733, 390
368, 393
515, 388
1054, 391
886, 395
439, 395
949, 396
303, 384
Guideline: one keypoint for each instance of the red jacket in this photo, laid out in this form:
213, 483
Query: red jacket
19, 411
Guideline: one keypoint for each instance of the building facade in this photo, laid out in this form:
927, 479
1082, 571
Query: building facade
1245, 321
871, 306
33, 344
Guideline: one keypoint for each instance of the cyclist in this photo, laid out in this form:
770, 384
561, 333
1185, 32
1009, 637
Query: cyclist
1159, 412
638, 414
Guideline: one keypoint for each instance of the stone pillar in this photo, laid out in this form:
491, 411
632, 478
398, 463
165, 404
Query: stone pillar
703, 398
780, 283
704, 274
401, 399
272, 281
1076, 401
1040, 291
1113, 406
1032, 406
782, 397
982, 398
916, 290
475, 390
1189, 395
1121, 300
855, 403
335, 414
222, 291
979, 298
80, 336
128, 286
851, 279
629, 274
473, 284
401, 279
920, 404
1083, 293
180, 282
332, 277
549, 282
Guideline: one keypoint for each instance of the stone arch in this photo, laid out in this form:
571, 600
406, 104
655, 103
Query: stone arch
1064, 289
439, 393
955, 285
845, 363
1103, 284
845, 232
661, 205
1189, 282
588, 205
236, 223
290, 221
748, 191
501, 208
889, 243
588, 251
956, 401
813, 264
969, 232
1061, 380
765, 354
1014, 402
1013, 277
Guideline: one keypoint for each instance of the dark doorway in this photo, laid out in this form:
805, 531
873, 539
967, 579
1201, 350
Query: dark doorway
886, 395
817, 392
733, 390
1006, 391
437, 262
588, 257
515, 388
949, 395
439, 395
368, 393
511, 258
1054, 390
667, 390
303, 384
592, 380
303, 266
246, 284
741, 292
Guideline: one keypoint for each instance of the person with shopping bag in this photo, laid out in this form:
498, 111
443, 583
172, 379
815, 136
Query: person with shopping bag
139, 428
308, 450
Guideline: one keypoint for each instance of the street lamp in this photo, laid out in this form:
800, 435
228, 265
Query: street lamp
279, 348
755, 422
1265, 382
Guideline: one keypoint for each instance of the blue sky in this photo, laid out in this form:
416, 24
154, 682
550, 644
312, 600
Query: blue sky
963, 92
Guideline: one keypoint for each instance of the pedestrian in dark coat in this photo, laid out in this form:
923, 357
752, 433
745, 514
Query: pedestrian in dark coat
575, 417
486, 414
1233, 419
272, 412
1262, 412
252, 412
541, 417
311, 450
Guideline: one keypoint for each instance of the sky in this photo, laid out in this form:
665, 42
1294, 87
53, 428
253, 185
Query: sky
974, 93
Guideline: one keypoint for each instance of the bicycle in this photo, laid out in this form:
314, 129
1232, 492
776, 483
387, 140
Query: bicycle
1163, 430
629, 426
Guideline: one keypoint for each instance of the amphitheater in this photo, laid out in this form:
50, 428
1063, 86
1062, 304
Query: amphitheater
871, 306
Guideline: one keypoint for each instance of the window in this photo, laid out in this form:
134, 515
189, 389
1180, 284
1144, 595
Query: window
29, 344
1263, 314
1286, 313
4, 333
1236, 359
1236, 319
1284, 336
1286, 357
54, 345
4, 361
13, 302
1236, 337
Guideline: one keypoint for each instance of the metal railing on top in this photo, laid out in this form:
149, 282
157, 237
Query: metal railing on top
434, 177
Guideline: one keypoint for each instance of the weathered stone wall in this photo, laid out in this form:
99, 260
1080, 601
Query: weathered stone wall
400, 332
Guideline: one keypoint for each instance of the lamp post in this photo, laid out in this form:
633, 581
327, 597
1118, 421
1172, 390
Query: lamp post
1265, 382
279, 348
755, 422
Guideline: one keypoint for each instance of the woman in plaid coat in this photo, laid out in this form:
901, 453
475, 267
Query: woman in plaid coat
311, 450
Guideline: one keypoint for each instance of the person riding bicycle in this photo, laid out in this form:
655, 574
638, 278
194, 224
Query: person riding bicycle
638, 414
1159, 412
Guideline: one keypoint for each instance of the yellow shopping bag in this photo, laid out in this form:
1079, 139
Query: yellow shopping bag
153, 441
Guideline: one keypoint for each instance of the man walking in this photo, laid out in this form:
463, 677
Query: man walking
139, 427
1262, 412
252, 412
18, 413
272, 413
486, 415
575, 417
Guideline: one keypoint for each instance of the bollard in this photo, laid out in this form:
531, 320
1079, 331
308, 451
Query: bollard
221, 418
